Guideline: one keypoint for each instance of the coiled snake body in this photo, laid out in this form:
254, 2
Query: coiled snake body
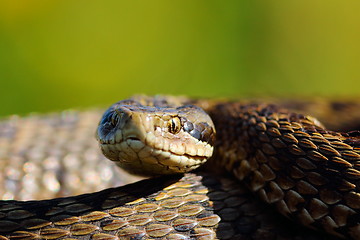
288, 160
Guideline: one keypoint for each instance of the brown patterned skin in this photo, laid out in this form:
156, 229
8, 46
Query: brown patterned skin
309, 173
197, 206
193, 206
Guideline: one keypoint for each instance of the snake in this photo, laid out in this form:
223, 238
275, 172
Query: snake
220, 169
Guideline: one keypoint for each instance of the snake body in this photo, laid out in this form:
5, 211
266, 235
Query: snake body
289, 160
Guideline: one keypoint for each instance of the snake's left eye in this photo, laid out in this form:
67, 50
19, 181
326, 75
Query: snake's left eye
174, 125
114, 119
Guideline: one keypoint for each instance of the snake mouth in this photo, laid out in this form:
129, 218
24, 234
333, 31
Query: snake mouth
133, 139
155, 156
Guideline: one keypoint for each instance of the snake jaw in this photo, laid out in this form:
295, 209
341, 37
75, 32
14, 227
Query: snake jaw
149, 141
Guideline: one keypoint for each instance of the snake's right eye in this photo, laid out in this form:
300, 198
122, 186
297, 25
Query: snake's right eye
174, 125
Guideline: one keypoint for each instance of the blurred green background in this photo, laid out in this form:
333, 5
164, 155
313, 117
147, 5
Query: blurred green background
62, 54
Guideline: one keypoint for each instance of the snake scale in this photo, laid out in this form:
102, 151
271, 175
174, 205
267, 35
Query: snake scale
289, 160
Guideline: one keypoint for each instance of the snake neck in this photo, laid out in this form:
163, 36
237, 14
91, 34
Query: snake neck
291, 161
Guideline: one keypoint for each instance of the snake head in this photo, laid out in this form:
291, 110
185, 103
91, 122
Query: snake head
153, 140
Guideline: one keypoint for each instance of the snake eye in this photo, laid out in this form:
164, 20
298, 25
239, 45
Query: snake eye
174, 125
114, 119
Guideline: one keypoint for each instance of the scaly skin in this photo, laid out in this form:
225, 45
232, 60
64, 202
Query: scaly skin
309, 173
213, 198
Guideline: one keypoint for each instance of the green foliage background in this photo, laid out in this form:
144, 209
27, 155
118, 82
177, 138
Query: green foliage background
62, 54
